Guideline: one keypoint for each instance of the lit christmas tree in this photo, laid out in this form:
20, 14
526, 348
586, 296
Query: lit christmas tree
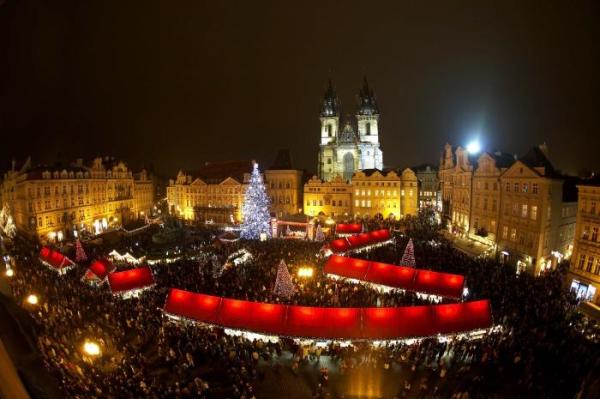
256, 209
408, 259
284, 287
319, 236
80, 255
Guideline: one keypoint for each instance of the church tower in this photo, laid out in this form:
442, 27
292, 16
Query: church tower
330, 123
330, 116
367, 119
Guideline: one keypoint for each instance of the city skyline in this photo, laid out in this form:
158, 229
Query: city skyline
166, 87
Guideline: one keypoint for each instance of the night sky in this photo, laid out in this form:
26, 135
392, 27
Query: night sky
179, 83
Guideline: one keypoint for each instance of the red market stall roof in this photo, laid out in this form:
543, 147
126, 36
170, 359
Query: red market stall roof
130, 280
55, 259
102, 267
330, 323
348, 228
360, 240
408, 278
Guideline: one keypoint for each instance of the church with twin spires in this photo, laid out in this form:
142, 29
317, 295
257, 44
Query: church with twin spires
353, 146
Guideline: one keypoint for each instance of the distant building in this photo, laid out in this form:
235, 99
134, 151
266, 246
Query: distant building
522, 207
330, 198
429, 187
215, 192
284, 186
370, 193
344, 150
62, 200
584, 273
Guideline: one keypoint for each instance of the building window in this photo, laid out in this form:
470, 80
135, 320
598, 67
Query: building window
507, 187
524, 210
590, 262
581, 261
515, 209
525, 187
356, 203
533, 213
534, 188
595, 234
513, 234
593, 208
368, 128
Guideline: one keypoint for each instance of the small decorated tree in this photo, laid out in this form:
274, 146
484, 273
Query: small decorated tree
80, 255
284, 287
256, 208
319, 236
408, 258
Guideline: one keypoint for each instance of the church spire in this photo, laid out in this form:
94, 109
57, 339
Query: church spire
368, 105
330, 105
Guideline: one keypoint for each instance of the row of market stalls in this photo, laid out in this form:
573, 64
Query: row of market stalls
393, 276
359, 242
125, 283
369, 323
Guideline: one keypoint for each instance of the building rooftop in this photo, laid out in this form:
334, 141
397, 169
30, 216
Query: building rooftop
216, 172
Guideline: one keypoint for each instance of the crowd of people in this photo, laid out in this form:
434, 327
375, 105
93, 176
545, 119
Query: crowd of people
538, 350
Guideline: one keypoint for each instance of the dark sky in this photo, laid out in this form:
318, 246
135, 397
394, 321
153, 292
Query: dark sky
179, 83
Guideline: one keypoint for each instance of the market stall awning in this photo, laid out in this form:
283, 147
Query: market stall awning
360, 240
55, 260
407, 278
348, 228
101, 268
130, 280
329, 323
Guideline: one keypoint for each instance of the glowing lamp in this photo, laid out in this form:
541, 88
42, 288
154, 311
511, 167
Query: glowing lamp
91, 348
305, 272
32, 299
473, 147
263, 236
10, 273
329, 221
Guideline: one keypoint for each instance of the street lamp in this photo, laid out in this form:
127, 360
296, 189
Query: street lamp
10, 273
32, 299
91, 348
305, 272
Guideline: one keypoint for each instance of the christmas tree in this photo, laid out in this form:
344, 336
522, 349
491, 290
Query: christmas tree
408, 259
319, 236
80, 255
256, 208
284, 287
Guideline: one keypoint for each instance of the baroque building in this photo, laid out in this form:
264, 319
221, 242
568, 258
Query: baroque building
61, 201
523, 208
215, 192
584, 272
351, 147
370, 193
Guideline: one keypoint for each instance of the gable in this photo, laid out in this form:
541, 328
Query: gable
230, 181
198, 182
519, 169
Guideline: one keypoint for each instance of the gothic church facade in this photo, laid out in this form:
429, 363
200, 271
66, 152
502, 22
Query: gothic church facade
353, 147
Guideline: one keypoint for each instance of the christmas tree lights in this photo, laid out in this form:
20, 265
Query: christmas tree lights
408, 258
256, 209
284, 287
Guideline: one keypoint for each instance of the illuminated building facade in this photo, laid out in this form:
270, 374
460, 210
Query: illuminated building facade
429, 187
344, 150
371, 193
215, 193
584, 272
330, 198
523, 207
61, 201
284, 186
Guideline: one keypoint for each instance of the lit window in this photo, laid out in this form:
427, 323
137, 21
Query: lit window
533, 213
513, 234
524, 210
